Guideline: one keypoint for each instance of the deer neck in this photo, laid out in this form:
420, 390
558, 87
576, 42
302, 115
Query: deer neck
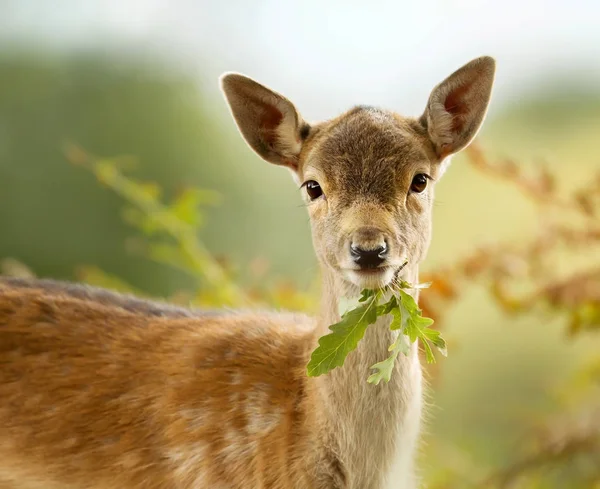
374, 346
370, 423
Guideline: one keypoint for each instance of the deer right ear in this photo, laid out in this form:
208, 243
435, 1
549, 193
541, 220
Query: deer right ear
269, 122
458, 105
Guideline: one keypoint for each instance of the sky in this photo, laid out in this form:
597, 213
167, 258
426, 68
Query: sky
329, 55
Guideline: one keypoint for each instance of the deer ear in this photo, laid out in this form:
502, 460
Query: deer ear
458, 105
269, 122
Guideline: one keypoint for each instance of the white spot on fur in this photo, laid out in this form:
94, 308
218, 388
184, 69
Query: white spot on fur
188, 465
130, 460
235, 398
262, 423
196, 418
263, 416
238, 449
236, 378
69, 442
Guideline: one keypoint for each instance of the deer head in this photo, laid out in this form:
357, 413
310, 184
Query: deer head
367, 175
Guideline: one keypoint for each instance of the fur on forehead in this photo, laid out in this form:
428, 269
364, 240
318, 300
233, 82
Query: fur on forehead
366, 139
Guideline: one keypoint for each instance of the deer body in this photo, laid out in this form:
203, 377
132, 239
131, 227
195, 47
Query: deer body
101, 391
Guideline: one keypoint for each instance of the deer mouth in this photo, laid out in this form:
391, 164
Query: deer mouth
371, 278
377, 277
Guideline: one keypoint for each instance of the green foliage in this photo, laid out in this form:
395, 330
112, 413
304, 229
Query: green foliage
414, 325
345, 335
168, 235
111, 104
172, 227
408, 319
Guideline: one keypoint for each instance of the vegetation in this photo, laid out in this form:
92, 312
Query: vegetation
554, 272
406, 318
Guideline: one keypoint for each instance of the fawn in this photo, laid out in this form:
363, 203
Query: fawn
100, 390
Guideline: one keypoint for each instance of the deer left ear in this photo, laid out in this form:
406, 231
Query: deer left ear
457, 106
268, 121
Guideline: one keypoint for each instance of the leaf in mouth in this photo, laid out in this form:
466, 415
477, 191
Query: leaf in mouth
406, 318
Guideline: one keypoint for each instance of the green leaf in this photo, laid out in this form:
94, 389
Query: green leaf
345, 304
417, 327
407, 285
435, 337
150, 190
169, 254
365, 294
401, 344
389, 307
428, 353
383, 370
186, 207
344, 337
412, 321
148, 224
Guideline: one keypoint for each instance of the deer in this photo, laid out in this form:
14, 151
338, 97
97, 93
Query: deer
100, 390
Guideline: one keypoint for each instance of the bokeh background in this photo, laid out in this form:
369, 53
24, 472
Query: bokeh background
134, 83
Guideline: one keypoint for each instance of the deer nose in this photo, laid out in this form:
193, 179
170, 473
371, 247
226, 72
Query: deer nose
369, 258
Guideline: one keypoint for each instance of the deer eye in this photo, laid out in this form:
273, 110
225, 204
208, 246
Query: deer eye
313, 189
419, 183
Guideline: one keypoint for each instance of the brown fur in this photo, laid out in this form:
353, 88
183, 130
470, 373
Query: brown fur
101, 391
92, 387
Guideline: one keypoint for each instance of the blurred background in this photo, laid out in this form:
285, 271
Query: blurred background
121, 166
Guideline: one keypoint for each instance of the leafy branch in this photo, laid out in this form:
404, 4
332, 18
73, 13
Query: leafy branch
173, 225
522, 275
406, 320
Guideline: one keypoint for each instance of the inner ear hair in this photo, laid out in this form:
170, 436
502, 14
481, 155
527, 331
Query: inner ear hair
267, 120
458, 105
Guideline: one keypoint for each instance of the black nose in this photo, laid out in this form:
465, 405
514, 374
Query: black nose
368, 258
